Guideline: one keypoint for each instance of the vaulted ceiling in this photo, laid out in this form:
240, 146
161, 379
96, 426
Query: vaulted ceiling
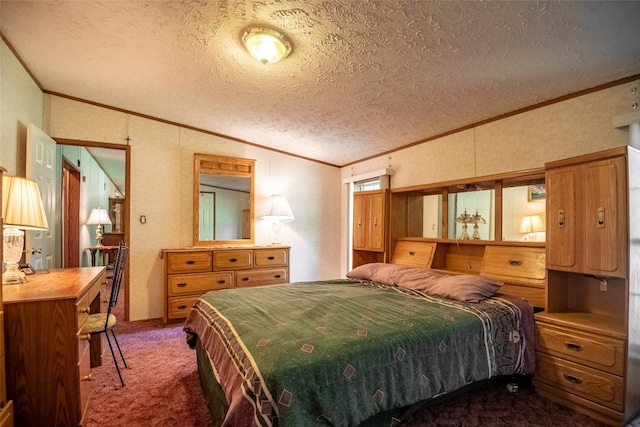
364, 77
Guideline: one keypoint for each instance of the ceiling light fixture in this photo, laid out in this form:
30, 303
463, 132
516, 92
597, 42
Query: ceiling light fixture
265, 44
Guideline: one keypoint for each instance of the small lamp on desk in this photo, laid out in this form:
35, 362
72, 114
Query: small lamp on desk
98, 216
22, 209
531, 225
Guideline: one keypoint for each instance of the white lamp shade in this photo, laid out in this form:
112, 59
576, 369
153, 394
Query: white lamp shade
98, 216
278, 209
22, 205
532, 224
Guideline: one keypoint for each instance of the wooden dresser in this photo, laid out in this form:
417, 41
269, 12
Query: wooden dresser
189, 273
588, 340
48, 362
6, 407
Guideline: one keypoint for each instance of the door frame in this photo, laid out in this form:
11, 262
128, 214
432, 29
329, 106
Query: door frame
70, 230
127, 199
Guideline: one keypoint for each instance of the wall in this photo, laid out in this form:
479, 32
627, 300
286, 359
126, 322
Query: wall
162, 186
568, 128
21, 103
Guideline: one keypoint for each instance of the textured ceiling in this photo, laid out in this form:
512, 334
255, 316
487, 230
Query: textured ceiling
364, 77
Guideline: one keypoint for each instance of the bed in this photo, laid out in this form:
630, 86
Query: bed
358, 351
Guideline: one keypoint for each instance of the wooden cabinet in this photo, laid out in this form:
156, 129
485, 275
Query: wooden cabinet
370, 218
48, 360
6, 407
189, 273
588, 340
587, 217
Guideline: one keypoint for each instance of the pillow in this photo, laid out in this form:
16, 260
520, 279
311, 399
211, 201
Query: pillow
378, 272
419, 279
465, 287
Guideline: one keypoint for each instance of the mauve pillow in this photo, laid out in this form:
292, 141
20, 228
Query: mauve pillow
378, 272
419, 279
465, 287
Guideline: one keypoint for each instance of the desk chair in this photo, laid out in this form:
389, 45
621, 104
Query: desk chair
101, 323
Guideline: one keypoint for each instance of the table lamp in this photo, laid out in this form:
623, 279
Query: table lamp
98, 216
22, 209
531, 224
277, 210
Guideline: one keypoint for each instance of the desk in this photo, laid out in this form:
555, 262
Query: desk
108, 254
48, 362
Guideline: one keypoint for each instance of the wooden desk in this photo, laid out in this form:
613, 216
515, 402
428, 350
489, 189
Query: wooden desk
48, 362
109, 251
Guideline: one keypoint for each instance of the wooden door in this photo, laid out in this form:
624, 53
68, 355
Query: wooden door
561, 218
605, 211
360, 209
376, 221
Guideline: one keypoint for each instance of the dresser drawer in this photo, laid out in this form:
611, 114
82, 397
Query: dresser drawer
189, 262
84, 375
591, 384
199, 283
414, 253
232, 260
178, 308
261, 277
83, 309
270, 257
515, 265
607, 354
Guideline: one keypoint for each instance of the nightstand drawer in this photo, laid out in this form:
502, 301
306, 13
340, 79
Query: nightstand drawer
597, 386
515, 265
232, 260
189, 262
179, 308
598, 352
261, 277
184, 284
270, 257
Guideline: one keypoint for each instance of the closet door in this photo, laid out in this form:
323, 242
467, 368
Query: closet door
376, 221
360, 209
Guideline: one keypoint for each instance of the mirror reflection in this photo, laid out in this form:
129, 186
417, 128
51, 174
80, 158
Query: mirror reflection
223, 200
471, 215
523, 213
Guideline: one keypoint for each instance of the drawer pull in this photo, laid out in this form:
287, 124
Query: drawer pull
233, 260
86, 337
86, 310
515, 262
572, 379
181, 285
412, 253
572, 346
86, 378
277, 276
190, 262
221, 282
182, 307
271, 258
245, 279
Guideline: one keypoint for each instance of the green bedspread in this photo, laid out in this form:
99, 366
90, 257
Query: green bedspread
339, 352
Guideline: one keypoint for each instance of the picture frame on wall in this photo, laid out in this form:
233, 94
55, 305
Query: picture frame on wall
537, 192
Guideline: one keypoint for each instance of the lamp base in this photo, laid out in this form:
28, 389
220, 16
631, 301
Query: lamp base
13, 275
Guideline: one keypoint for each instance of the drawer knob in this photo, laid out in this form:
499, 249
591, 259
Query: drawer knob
572, 346
86, 337
181, 285
271, 258
515, 262
86, 310
412, 253
277, 276
190, 262
221, 282
245, 279
233, 260
182, 307
86, 378
572, 378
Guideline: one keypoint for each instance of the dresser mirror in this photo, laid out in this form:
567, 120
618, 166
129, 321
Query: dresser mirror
471, 214
222, 200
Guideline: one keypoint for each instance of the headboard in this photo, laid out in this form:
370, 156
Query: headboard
521, 268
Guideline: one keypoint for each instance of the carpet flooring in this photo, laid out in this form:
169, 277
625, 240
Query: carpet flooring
162, 389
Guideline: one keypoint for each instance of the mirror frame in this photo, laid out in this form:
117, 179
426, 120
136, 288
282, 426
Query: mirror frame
226, 166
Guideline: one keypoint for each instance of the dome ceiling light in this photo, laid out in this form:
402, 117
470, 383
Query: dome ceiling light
265, 44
